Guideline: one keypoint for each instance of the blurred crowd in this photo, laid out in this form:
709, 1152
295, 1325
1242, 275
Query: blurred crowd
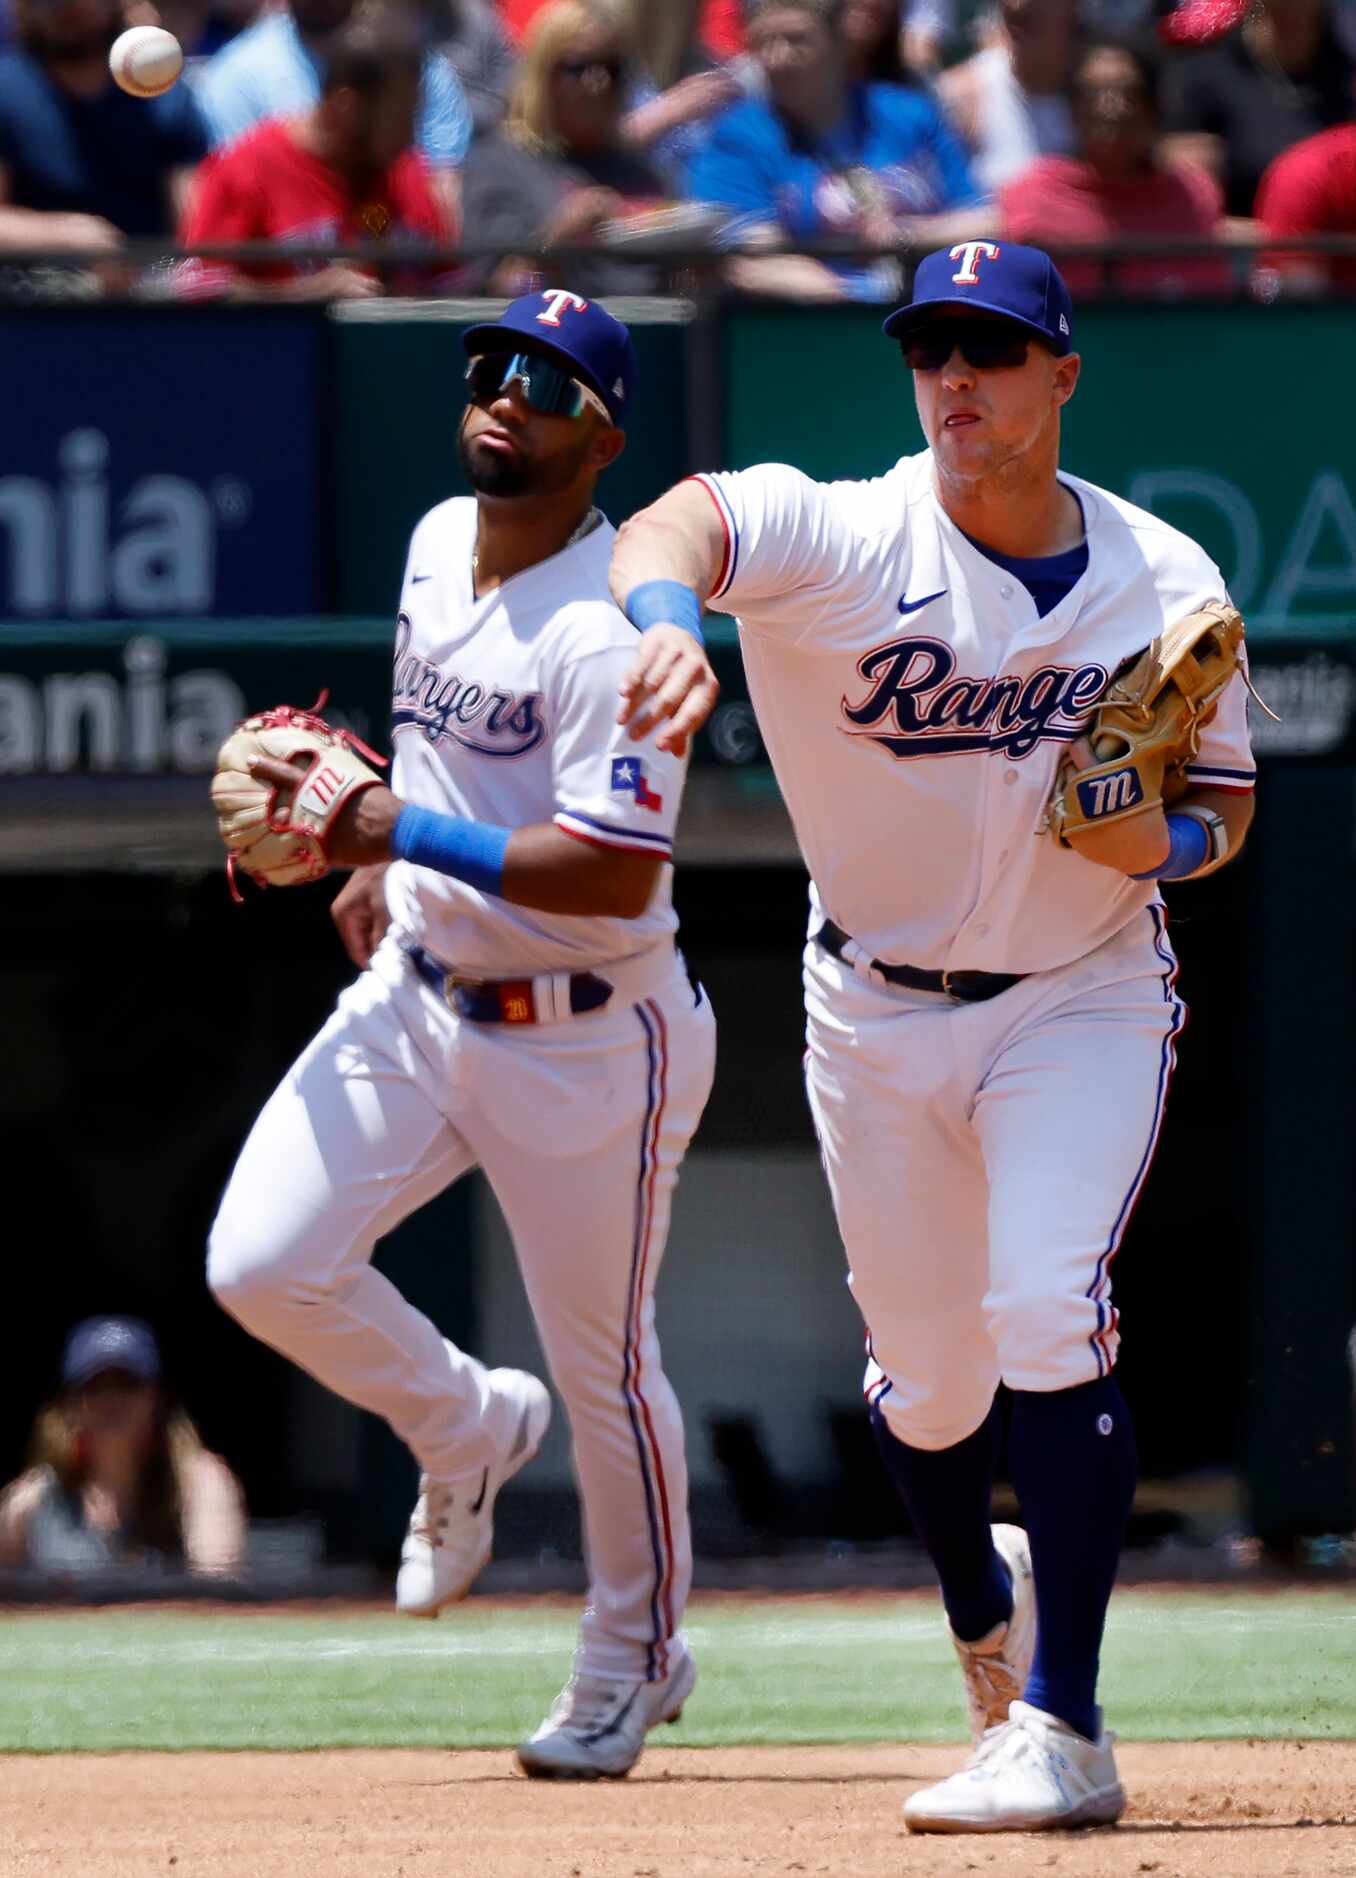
789, 147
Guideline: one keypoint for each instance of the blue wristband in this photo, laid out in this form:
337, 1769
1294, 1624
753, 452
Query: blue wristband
1190, 849
665, 603
469, 851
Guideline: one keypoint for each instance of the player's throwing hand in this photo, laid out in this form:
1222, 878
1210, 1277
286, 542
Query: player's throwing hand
670, 677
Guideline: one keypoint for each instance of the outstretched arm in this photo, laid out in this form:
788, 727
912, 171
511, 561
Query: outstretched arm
665, 563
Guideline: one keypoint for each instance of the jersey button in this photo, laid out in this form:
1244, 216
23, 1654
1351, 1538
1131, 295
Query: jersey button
1006, 592
1010, 776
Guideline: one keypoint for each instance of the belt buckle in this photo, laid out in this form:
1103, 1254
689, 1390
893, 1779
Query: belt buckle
454, 988
947, 988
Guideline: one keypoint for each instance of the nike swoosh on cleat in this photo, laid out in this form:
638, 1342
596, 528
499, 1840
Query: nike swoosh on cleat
611, 1727
912, 606
479, 1500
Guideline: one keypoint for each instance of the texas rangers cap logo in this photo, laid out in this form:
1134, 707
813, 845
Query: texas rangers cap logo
969, 254
558, 304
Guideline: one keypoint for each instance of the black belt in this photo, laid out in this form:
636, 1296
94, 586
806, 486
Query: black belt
969, 987
504, 1000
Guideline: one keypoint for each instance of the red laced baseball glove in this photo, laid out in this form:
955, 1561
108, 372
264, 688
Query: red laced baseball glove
277, 844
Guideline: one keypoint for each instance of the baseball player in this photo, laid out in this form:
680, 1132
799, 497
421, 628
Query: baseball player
526, 1012
992, 1016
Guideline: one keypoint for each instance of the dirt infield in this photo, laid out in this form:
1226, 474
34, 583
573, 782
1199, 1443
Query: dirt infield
1229, 1810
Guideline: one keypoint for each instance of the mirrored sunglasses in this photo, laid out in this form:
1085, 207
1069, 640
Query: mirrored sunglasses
546, 386
985, 345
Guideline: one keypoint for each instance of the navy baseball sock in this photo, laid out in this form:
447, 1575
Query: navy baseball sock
1071, 1454
946, 1491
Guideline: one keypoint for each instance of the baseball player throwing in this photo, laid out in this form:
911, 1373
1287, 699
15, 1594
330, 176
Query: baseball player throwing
992, 1012
526, 1012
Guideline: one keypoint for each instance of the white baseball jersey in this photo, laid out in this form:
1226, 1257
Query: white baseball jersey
504, 711
916, 708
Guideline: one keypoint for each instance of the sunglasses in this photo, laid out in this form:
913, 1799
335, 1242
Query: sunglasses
580, 68
547, 387
986, 345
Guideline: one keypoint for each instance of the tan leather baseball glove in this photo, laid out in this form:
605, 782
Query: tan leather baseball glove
1147, 726
283, 844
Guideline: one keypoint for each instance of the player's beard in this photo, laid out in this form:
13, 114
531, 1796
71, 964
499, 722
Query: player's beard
490, 474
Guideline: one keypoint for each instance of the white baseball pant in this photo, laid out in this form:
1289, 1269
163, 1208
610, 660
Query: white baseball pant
984, 1160
579, 1126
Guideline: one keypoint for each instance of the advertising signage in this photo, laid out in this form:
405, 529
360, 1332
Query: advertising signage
161, 462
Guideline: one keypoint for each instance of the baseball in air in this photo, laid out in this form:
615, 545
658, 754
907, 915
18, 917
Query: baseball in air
145, 60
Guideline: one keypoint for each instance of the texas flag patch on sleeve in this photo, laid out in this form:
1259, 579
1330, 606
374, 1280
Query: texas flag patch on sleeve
628, 778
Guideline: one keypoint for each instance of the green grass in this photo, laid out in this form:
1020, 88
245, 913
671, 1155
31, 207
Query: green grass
1176, 1666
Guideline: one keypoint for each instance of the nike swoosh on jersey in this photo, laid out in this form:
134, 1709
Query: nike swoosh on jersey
416, 578
912, 606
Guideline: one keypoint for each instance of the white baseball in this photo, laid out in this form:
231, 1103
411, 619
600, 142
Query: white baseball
145, 60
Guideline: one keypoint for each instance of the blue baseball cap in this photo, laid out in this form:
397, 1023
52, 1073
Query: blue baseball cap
595, 347
100, 1343
1020, 284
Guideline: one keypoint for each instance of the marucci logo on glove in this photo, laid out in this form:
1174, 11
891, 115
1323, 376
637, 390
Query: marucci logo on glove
1109, 795
325, 785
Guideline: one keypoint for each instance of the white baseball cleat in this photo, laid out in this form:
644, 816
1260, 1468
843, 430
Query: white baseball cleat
1029, 1775
996, 1666
597, 1728
451, 1530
